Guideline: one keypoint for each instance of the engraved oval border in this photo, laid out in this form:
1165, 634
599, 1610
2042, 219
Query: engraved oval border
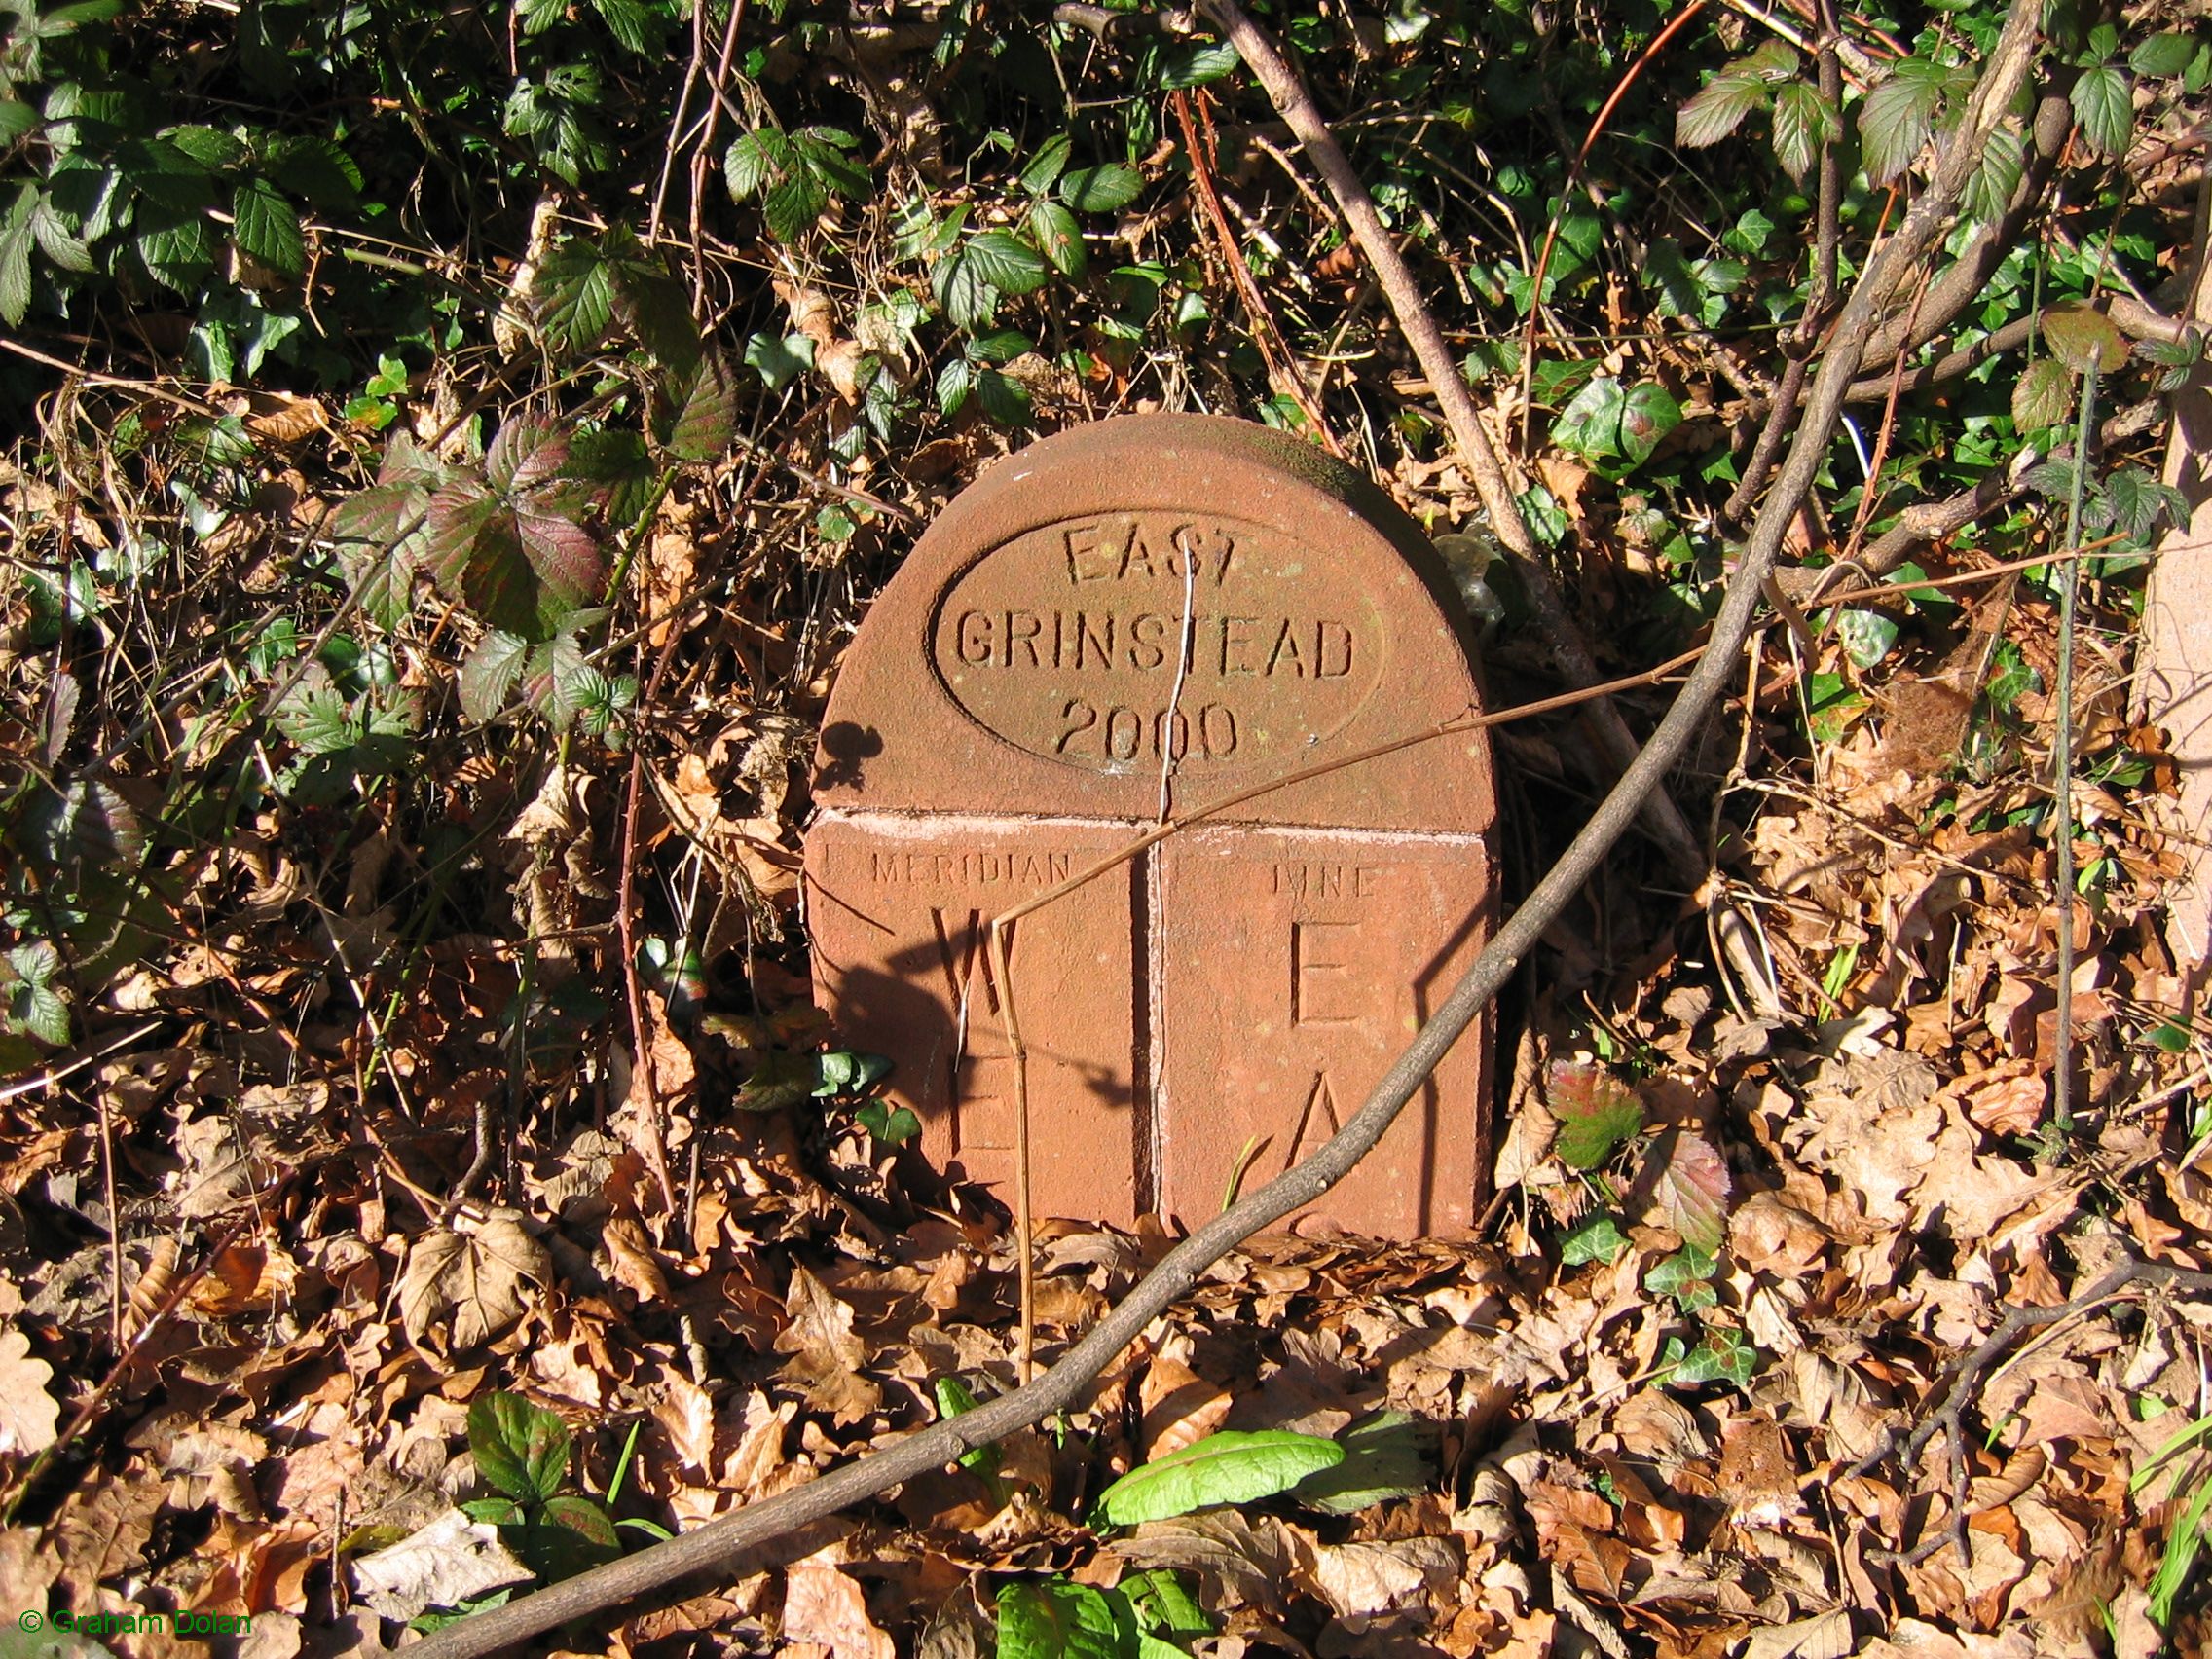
1131, 768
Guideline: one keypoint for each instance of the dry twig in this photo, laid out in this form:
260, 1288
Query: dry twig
1949, 1417
1661, 818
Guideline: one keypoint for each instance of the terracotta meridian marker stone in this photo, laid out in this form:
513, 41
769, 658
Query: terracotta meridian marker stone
1187, 606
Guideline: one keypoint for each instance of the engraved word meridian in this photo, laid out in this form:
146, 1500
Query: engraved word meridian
1071, 642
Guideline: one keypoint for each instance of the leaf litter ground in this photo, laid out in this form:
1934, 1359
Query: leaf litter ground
355, 1136
1780, 1235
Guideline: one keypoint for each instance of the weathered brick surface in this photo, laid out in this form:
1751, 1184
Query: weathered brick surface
1177, 604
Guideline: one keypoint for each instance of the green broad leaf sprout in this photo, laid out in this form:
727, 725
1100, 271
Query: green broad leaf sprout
521, 1451
1225, 1468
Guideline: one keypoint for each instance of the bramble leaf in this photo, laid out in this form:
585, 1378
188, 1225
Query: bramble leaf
266, 227
1693, 1192
1057, 1619
520, 1447
1055, 231
1104, 189
1803, 122
1997, 175
1005, 262
2042, 395
574, 293
704, 419
1595, 1110
2167, 54
1718, 108
2103, 106
2083, 338
489, 674
1898, 116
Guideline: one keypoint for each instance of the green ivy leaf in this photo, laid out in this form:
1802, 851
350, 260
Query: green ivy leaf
520, 1447
779, 358
843, 1072
2010, 676
2103, 105
1867, 635
1648, 414
893, 1126
1590, 425
1671, 1275
1722, 1356
266, 227
1830, 705
1229, 1467
1596, 1237
1056, 1619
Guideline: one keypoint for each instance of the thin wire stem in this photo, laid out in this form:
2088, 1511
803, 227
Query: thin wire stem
2062, 770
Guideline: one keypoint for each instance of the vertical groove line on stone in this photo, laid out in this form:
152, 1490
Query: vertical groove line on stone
1148, 947
1185, 638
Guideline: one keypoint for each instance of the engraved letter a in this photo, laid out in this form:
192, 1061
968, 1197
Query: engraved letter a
1318, 1118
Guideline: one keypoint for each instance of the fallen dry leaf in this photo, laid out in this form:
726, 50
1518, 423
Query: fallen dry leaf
29, 1413
444, 1564
823, 1605
460, 1289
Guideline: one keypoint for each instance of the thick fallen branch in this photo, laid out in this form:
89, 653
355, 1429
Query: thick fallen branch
721, 1541
1664, 822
